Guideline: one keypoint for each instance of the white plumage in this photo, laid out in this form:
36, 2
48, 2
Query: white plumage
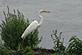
34, 25
30, 28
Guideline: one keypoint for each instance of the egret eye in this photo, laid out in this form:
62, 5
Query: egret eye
44, 12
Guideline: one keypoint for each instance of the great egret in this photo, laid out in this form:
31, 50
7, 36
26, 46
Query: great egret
34, 25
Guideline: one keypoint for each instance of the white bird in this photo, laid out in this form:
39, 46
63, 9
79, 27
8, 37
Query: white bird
34, 25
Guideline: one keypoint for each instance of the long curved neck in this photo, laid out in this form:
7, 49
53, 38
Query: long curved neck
41, 19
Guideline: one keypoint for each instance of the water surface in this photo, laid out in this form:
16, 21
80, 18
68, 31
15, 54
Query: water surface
66, 16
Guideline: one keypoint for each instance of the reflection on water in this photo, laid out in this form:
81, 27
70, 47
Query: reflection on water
66, 16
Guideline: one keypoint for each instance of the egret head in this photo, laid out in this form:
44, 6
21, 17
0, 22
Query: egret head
44, 12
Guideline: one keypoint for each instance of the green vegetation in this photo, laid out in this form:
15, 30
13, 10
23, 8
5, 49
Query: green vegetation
59, 47
14, 25
11, 30
74, 46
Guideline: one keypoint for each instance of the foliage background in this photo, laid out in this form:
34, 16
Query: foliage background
14, 25
11, 30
